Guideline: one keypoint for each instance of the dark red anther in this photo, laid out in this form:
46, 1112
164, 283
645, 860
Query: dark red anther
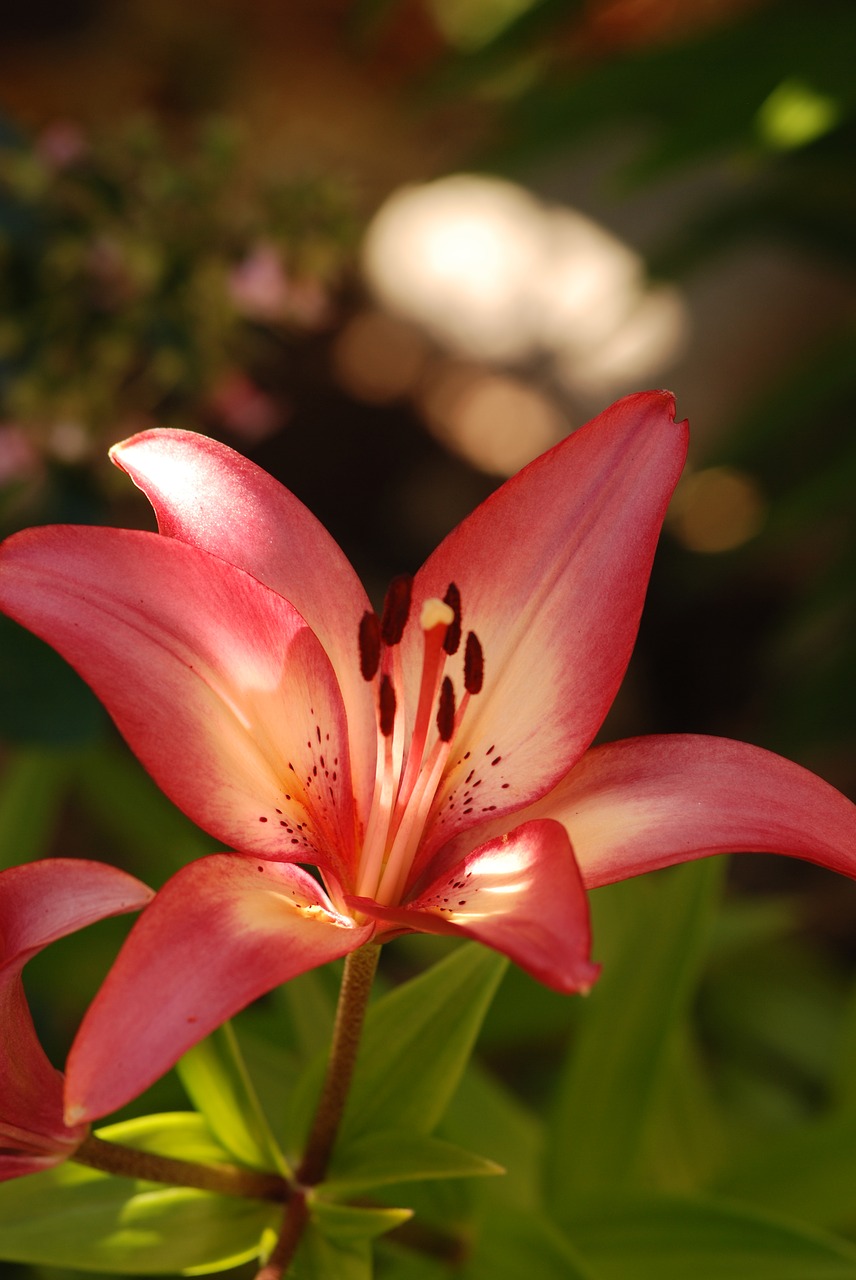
386, 706
473, 664
396, 607
453, 632
446, 710
369, 644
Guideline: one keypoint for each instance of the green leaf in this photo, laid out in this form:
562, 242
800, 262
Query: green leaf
352, 1222
415, 1046
73, 1216
41, 699
746, 923
33, 784
311, 1011
323, 1257
659, 928
398, 1262
127, 804
779, 1003
389, 1156
217, 1082
513, 1244
273, 1069
486, 1115
183, 1134
808, 1172
417, 1042
665, 1238
687, 1133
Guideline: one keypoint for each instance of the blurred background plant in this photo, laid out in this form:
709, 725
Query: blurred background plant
140, 277
392, 249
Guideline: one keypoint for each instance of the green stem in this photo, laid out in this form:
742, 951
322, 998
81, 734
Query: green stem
294, 1223
354, 995
224, 1179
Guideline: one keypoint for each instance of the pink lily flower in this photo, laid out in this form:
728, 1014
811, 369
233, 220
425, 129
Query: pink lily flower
432, 765
40, 902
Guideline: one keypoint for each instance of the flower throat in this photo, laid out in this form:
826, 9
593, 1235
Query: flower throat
408, 770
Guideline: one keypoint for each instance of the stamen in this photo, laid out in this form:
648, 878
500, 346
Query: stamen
446, 711
386, 706
369, 640
400, 860
473, 664
396, 608
453, 635
408, 770
434, 618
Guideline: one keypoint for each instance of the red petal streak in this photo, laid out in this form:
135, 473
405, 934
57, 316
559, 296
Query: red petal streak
223, 931
644, 803
40, 902
520, 894
33, 1134
209, 496
217, 682
552, 571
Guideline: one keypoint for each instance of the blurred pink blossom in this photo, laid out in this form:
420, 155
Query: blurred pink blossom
61, 144
258, 285
261, 289
244, 408
19, 458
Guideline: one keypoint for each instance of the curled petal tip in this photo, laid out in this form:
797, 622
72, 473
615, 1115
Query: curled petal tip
585, 988
115, 451
578, 981
75, 1115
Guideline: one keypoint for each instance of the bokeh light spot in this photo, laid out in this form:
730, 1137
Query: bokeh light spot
717, 509
495, 422
795, 114
379, 358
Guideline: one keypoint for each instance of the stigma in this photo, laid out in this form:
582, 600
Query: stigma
411, 756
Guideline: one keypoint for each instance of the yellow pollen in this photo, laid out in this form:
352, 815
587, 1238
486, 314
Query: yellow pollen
436, 613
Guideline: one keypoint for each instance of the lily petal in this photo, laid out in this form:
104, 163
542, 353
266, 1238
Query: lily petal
33, 1134
45, 900
40, 902
223, 931
644, 803
216, 682
207, 495
552, 571
521, 894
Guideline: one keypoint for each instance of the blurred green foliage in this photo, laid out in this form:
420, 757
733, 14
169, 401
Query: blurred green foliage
696, 1109
140, 268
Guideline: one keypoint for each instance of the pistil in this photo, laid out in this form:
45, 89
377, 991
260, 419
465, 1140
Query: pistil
435, 620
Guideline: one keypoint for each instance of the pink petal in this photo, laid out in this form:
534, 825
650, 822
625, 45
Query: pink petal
223, 931
33, 1134
45, 900
633, 806
40, 902
209, 496
520, 894
552, 570
216, 682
